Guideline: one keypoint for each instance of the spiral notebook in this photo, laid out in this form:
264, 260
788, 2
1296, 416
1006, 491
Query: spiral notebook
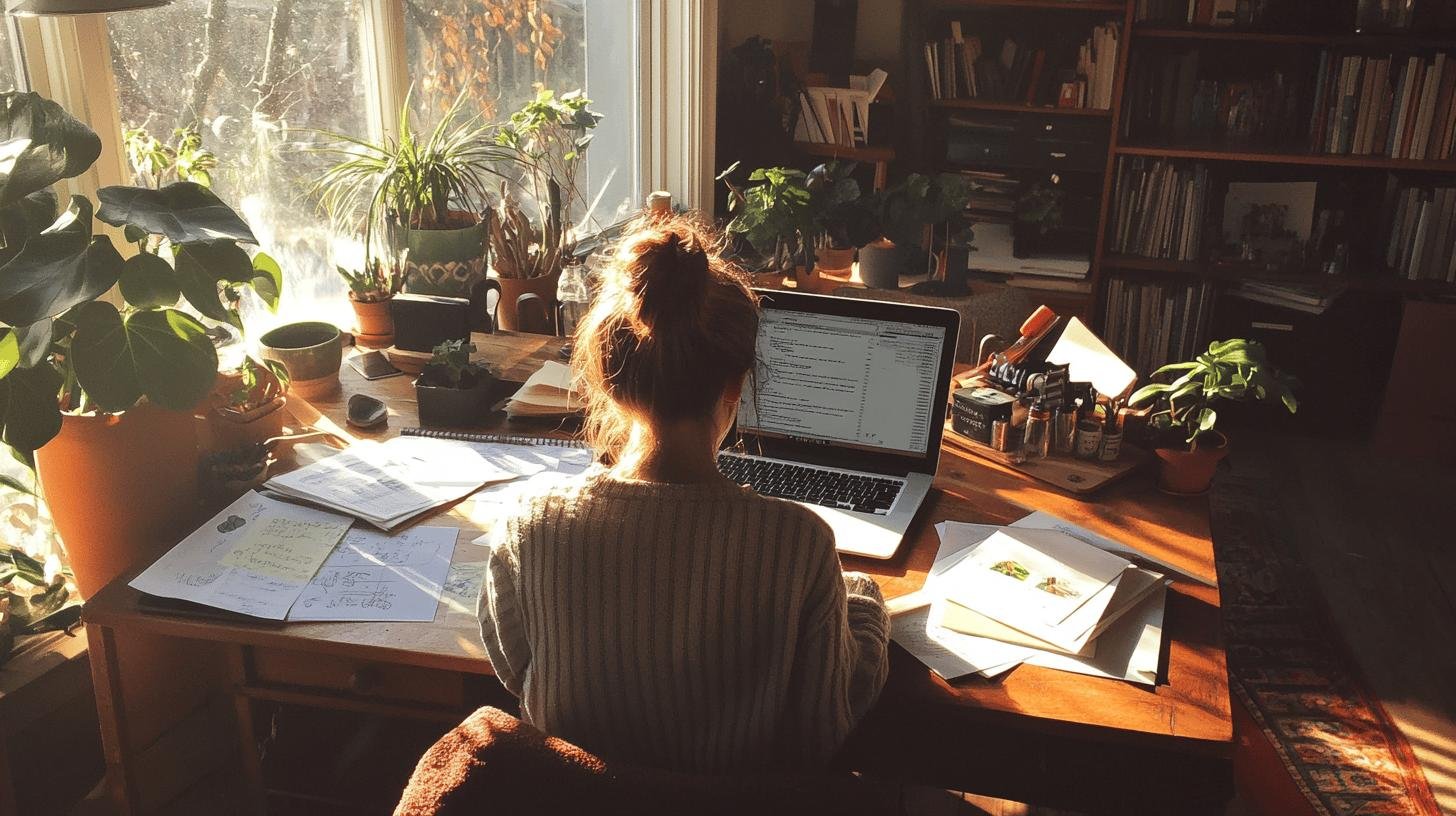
503, 439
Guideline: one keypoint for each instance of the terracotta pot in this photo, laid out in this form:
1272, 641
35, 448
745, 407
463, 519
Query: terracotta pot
1190, 472
512, 288
835, 262
375, 322
807, 281
231, 430
121, 488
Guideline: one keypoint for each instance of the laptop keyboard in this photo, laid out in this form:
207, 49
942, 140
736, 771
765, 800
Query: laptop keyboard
811, 485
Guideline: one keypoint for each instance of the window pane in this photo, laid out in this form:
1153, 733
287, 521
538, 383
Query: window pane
251, 76
502, 51
8, 55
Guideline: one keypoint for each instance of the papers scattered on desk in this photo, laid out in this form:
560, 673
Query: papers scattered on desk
388, 484
961, 623
374, 576
254, 558
550, 392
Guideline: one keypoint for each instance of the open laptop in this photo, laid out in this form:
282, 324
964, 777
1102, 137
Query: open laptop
845, 411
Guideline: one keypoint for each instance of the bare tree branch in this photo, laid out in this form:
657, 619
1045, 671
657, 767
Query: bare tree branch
205, 75
270, 102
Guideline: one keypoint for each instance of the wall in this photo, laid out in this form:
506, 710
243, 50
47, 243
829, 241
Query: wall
877, 35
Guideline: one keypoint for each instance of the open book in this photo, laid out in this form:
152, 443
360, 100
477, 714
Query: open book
550, 392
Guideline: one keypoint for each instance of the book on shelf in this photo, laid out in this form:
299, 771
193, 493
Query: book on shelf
1400, 107
964, 66
1153, 323
1421, 231
1160, 208
1309, 298
1170, 96
1227, 13
838, 116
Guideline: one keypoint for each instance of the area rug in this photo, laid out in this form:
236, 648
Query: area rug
1291, 671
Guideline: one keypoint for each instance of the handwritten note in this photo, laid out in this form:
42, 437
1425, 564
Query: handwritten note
462, 586
203, 569
286, 548
375, 576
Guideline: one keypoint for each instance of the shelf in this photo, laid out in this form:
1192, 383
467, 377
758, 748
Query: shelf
1057, 5
864, 154
1310, 159
985, 104
1240, 272
1396, 41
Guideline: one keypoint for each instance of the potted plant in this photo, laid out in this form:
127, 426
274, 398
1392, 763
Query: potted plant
1181, 415
904, 214
844, 218
371, 291
775, 214
424, 190
253, 411
103, 391
451, 389
534, 228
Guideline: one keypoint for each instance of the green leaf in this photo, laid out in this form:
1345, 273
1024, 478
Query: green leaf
1147, 392
30, 415
40, 144
184, 212
267, 280
9, 352
1206, 419
164, 355
57, 269
27, 217
35, 342
148, 282
199, 285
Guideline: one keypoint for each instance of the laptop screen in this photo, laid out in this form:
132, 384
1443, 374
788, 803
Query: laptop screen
856, 382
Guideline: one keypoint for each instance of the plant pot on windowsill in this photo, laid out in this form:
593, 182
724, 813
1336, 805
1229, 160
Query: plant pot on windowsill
880, 264
451, 390
1189, 471
375, 322
446, 259
233, 428
834, 262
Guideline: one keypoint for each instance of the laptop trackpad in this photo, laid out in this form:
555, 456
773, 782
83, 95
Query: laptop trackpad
861, 533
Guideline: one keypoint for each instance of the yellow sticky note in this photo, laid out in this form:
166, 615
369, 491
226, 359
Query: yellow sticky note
285, 548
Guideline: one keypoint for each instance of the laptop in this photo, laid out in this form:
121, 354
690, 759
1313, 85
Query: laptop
844, 412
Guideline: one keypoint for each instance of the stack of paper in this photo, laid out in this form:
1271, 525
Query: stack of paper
388, 484
1041, 591
550, 392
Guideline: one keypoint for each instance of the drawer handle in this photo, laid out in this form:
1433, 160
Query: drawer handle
1058, 154
364, 679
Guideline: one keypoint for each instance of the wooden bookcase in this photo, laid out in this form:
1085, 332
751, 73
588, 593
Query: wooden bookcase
925, 20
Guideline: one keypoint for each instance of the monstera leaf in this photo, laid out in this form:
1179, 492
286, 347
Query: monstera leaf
163, 354
57, 269
184, 212
40, 144
26, 217
29, 416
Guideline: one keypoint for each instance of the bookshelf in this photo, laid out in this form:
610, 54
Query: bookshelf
991, 105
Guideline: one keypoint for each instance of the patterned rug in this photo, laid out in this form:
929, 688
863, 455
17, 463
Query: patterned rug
1292, 672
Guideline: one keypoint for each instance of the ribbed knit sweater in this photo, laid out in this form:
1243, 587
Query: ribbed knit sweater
698, 627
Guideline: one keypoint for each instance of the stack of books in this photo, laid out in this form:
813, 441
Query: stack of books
960, 67
1041, 592
1167, 98
1307, 298
993, 197
839, 116
1160, 208
1422, 232
1395, 106
1155, 323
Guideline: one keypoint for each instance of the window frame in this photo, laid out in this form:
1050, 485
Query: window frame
69, 60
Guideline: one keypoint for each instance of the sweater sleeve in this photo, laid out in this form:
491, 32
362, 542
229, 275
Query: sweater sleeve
502, 627
842, 659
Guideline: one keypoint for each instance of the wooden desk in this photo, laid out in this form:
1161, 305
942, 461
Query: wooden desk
1036, 735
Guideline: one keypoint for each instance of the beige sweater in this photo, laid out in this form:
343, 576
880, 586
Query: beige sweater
687, 627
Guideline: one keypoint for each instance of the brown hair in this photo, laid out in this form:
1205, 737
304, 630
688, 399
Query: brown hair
673, 325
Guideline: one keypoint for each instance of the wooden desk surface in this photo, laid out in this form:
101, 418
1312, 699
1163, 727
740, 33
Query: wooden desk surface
1188, 713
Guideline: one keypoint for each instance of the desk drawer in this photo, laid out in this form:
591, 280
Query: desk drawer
344, 677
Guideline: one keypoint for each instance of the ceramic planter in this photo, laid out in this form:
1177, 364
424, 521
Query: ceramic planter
880, 264
446, 261
834, 262
121, 487
1190, 472
231, 430
375, 322
311, 351
453, 407
512, 288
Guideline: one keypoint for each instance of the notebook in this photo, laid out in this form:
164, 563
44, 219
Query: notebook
550, 392
501, 439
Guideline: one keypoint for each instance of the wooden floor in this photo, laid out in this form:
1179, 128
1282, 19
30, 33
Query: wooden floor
1379, 537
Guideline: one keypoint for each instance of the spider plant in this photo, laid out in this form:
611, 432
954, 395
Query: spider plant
415, 176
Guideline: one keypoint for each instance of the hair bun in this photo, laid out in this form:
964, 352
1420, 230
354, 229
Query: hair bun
669, 276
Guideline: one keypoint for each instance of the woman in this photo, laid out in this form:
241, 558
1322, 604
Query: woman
652, 611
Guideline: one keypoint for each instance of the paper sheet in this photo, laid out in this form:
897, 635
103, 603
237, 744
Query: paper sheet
1034, 579
203, 568
1042, 520
1090, 360
462, 586
1128, 650
375, 576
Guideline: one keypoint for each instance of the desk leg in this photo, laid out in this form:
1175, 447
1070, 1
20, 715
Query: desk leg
240, 664
111, 714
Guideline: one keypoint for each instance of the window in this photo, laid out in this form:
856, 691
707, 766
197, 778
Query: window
11, 73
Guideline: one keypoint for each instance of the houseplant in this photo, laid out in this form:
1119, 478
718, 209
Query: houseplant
1181, 415
155, 163
371, 291
775, 214
451, 389
534, 228
903, 213
253, 411
424, 191
87, 381
843, 216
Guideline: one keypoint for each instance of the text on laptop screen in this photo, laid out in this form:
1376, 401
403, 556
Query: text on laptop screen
844, 380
